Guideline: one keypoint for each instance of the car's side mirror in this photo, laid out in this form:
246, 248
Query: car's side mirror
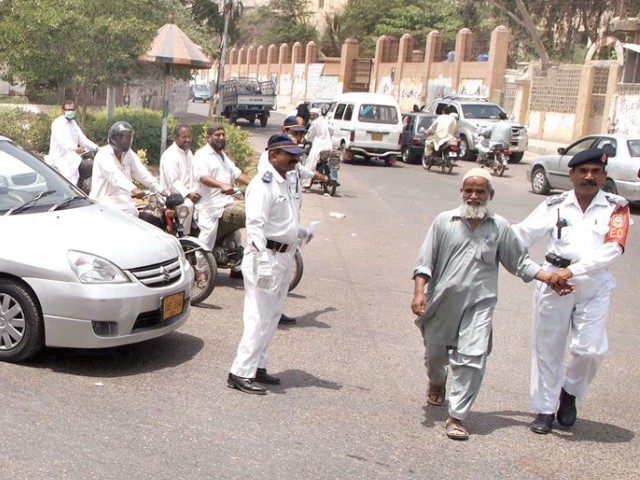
562, 150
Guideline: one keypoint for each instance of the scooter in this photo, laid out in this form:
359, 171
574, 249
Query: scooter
497, 159
168, 214
445, 157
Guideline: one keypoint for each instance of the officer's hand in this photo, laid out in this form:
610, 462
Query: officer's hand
418, 304
264, 272
137, 193
194, 197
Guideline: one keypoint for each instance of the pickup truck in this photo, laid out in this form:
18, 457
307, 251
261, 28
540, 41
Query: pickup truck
249, 99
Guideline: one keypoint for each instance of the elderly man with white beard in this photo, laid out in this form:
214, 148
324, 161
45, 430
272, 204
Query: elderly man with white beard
456, 290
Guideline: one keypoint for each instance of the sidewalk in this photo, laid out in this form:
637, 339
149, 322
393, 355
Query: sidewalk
542, 147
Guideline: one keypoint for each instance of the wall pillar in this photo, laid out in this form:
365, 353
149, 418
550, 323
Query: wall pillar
498, 50
583, 106
463, 45
404, 55
433, 40
609, 110
350, 51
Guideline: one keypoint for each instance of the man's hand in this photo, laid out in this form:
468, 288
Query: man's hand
418, 304
78, 150
137, 193
557, 281
227, 189
194, 197
318, 177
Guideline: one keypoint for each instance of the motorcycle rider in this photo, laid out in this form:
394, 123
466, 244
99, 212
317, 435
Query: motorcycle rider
115, 167
493, 135
215, 172
441, 131
67, 142
176, 171
320, 135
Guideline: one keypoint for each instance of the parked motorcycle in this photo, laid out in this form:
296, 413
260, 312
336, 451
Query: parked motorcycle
168, 214
497, 159
445, 157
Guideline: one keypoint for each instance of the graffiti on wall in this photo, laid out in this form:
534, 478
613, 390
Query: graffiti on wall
410, 92
627, 114
297, 90
328, 87
472, 86
438, 87
284, 84
387, 87
314, 72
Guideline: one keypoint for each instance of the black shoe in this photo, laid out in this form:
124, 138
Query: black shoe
284, 320
567, 413
542, 423
236, 274
263, 377
244, 385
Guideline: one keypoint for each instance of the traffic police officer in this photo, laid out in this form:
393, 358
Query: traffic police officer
273, 228
586, 231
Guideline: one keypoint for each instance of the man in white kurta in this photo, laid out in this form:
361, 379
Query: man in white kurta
586, 231
319, 135
67, 142
442, 130
458, 265
273, 228
115, 167
176, 171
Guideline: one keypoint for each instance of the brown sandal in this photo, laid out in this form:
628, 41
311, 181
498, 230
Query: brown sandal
436, 394
455, 430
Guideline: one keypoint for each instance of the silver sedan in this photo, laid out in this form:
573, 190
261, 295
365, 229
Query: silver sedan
551, 172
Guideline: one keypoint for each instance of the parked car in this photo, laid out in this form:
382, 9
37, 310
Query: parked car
414, 126
200, 92
367, 124
551, 172
474, 114
76, 274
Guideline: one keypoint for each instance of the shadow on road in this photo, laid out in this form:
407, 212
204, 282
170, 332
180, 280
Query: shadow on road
301, 379
311, 319
168, 351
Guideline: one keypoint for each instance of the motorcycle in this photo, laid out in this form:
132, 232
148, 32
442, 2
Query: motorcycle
328, 165
497, 159
85, 170
168, 214
228, 251
445, 157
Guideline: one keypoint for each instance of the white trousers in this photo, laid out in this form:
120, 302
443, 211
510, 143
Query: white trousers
208, 223
262, 311
582, 316
467, 372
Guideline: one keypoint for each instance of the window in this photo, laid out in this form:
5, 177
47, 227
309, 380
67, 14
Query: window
378, 114
339, 111
348, 113
580, 146
608, 144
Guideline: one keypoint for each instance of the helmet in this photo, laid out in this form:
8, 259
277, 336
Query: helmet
120, 136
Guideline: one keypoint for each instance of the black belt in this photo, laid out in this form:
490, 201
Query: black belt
557, 261
277, 246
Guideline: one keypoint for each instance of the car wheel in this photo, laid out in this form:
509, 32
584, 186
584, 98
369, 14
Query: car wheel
516, 157
21, 324
406, 158
345, 155
610, 187
539, 182
465, 152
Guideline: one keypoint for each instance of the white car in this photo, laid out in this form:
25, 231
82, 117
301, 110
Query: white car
76, 274
551, 172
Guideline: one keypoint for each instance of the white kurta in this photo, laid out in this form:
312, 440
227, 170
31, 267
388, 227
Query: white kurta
320, 135
583, 315
444, 129
112, 183
66, 136
273, 213
177, 176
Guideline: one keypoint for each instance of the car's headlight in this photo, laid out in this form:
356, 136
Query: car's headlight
93, 269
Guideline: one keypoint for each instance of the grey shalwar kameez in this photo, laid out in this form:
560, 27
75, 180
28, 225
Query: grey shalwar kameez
462, 266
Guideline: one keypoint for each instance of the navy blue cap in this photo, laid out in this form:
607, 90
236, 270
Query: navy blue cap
591, 155
282, 141
294, 123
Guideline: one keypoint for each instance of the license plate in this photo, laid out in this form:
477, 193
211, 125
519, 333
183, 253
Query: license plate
376, 137
172, 305
452, 154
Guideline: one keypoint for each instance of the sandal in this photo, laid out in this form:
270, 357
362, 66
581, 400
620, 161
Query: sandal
201, 281
455, 430
435, 394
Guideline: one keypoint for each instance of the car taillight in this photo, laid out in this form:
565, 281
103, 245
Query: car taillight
453, 148
417, 142
507, 152
352, 137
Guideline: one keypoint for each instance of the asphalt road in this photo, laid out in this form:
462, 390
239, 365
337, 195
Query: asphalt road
352, 399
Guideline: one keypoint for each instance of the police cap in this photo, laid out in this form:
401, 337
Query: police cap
294, 124
283, 142
591, 155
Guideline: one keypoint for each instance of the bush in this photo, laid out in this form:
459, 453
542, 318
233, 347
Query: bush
238, 147
29, 130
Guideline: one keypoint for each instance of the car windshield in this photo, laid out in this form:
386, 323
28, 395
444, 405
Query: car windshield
28, 185
425, 123
634, 147
201, 89
378, 114
482, 111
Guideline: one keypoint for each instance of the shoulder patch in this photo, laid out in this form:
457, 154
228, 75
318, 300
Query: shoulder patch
616, 199
267, 177
554, 199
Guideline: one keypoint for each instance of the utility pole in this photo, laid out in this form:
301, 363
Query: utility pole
226, 11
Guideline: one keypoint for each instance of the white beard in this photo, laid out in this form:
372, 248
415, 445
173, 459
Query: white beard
473, 212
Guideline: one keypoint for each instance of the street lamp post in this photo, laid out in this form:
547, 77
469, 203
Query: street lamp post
226, 11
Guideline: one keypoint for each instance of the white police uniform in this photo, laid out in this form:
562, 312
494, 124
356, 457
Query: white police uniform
273, 226
587, 243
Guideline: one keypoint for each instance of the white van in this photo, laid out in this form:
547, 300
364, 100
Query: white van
367, 124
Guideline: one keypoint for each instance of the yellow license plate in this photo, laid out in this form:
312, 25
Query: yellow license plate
377, 137
172, 305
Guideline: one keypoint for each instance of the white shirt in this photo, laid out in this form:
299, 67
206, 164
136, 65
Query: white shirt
444, 128
176, 171
499, 133
111, 184
273, 212
219, 167
320, 134
66, 136
583, 239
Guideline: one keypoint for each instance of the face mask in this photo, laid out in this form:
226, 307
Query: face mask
70, 114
